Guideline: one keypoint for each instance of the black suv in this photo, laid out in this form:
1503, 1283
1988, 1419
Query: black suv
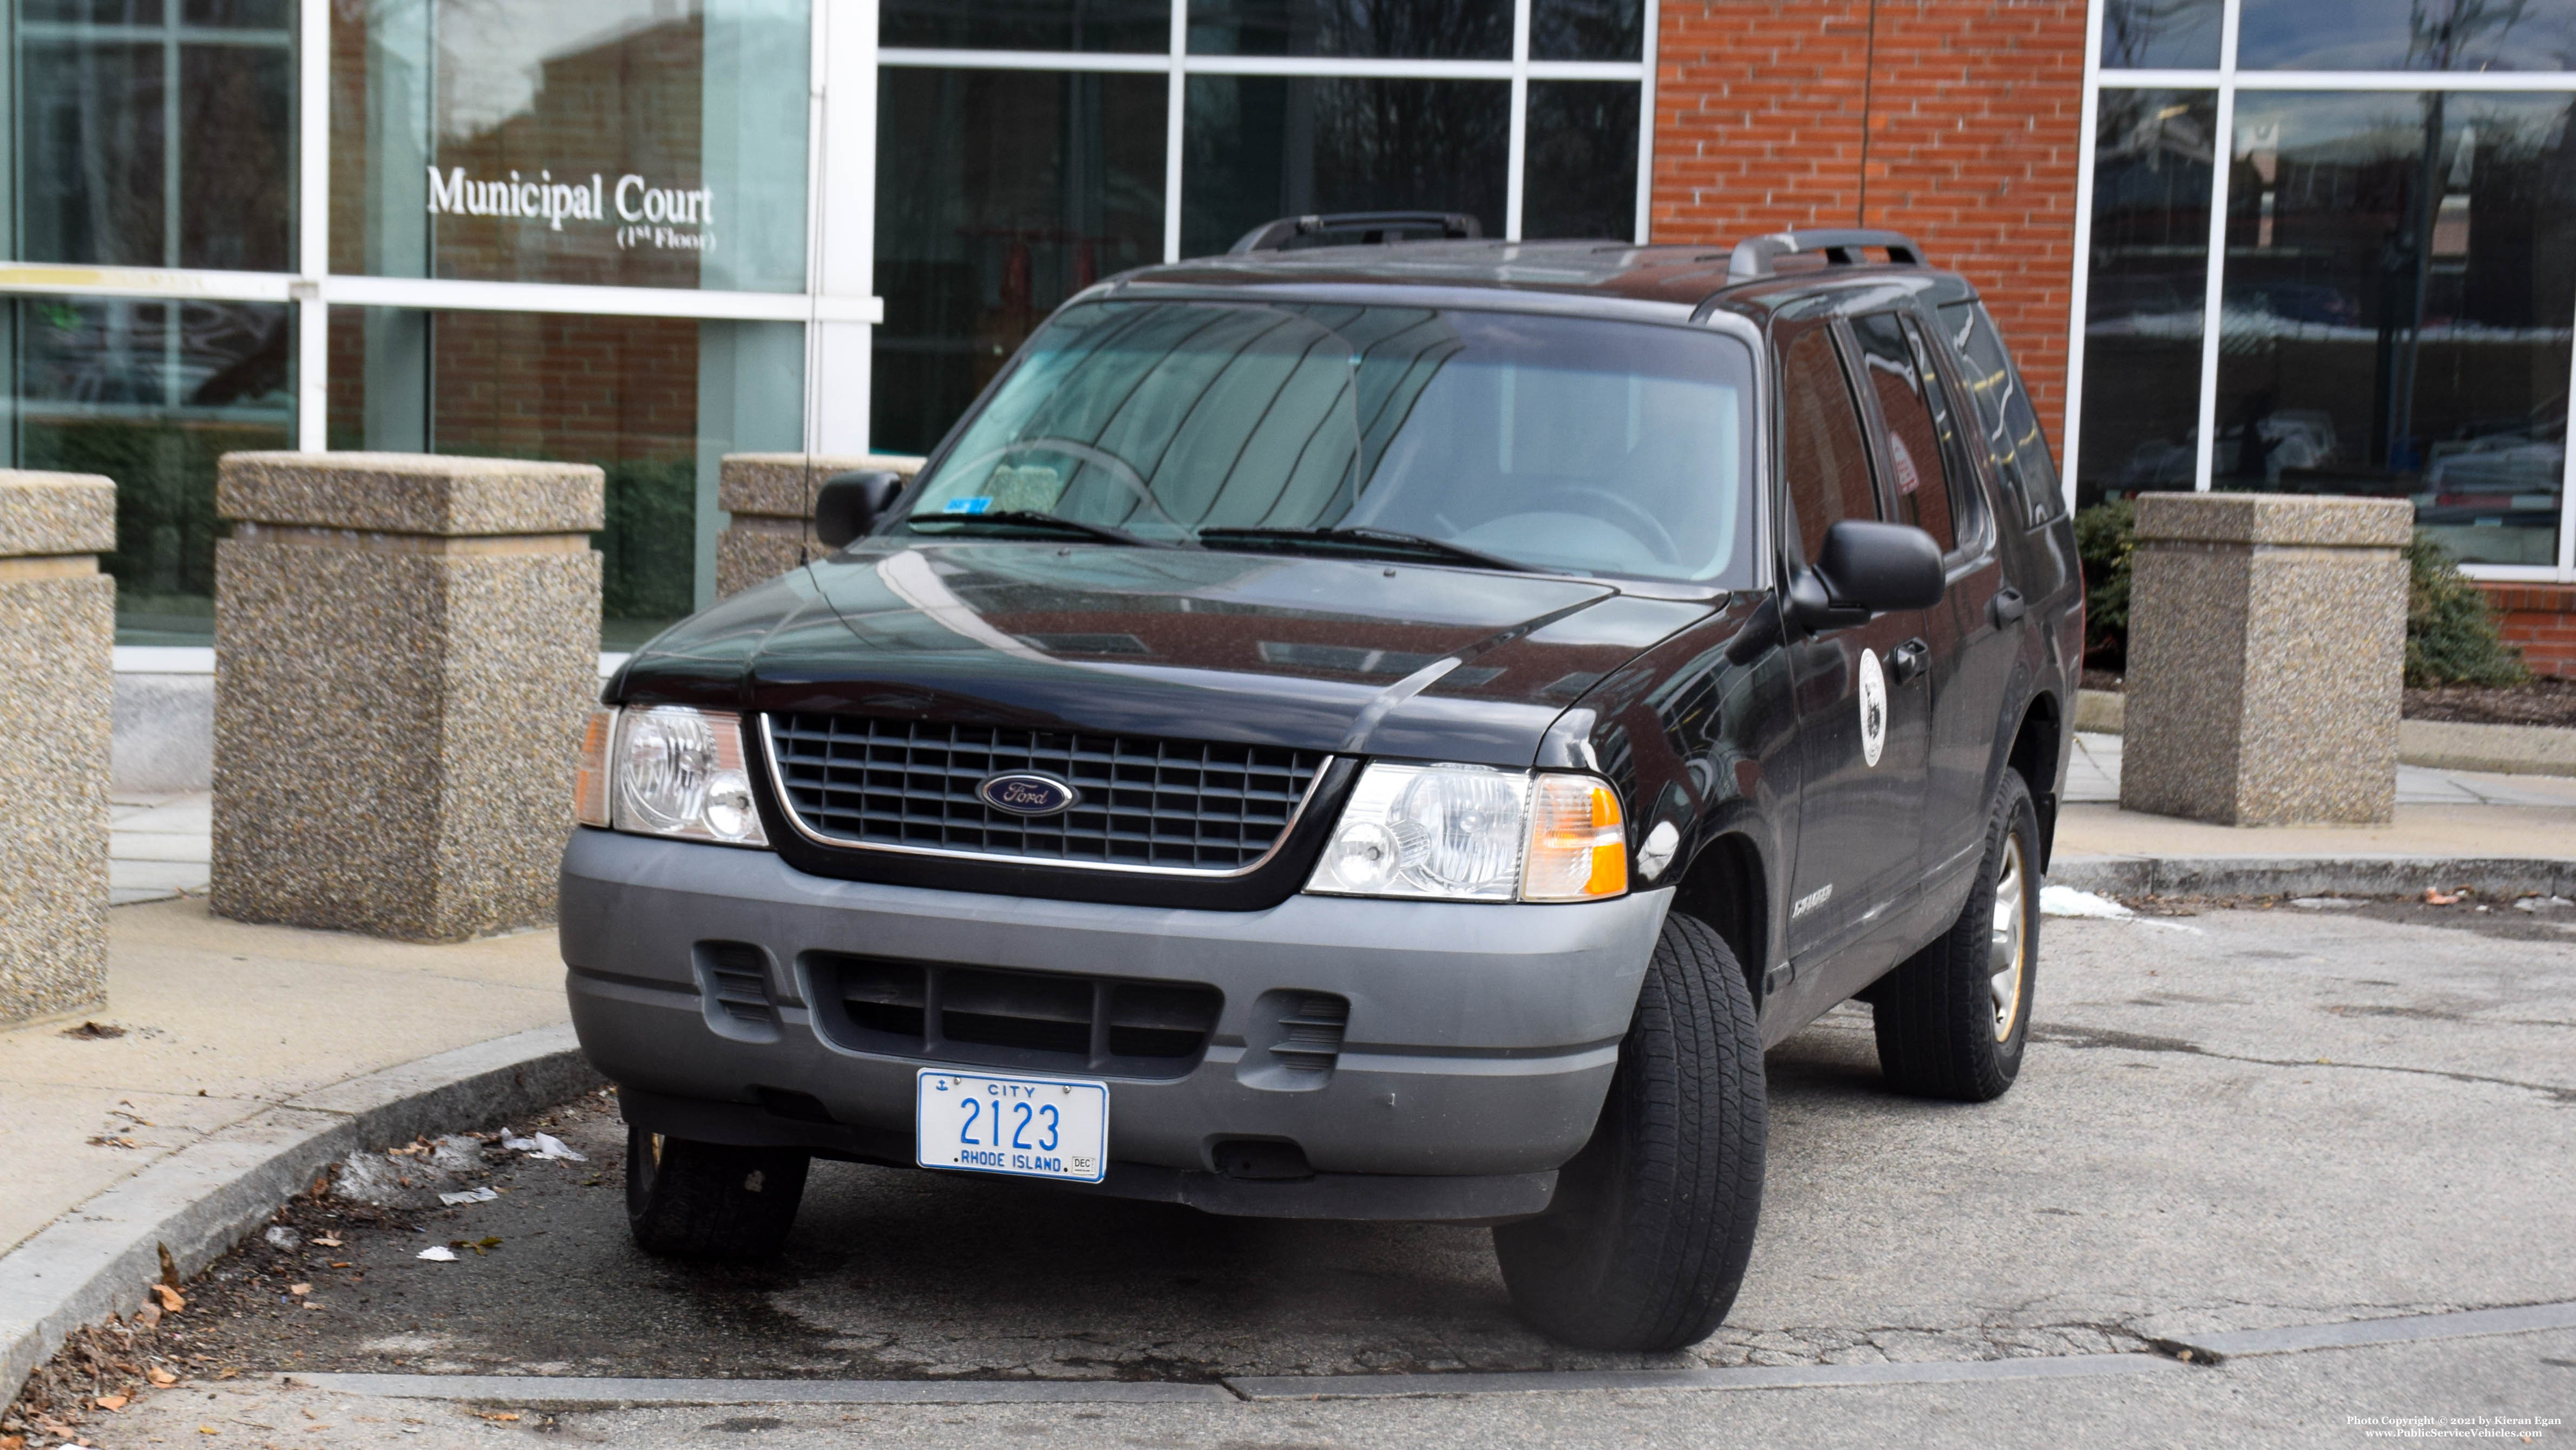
1383, 731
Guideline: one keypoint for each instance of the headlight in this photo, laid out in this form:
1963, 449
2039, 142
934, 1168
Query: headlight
680, 772
1473, 833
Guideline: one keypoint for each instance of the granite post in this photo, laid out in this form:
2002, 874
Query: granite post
406, 647
771, 499
57, 693
2267, 652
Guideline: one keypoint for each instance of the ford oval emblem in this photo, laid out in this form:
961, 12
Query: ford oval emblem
1026, 793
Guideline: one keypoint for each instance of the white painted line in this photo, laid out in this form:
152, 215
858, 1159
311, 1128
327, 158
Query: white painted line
2413, 1329
1746, 1377
569, 1390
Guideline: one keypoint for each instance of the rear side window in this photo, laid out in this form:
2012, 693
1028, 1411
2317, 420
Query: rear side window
2004, 414
1930, 490
1824, 456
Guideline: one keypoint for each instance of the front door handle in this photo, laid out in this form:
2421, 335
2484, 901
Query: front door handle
1906, 660
2007, 606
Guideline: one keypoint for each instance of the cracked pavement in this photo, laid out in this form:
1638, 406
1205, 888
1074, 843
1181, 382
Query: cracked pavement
2244, 1119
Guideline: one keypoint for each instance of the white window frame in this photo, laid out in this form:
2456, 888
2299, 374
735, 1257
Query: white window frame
2227, 82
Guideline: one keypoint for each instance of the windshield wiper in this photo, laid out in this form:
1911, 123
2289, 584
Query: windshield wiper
1031, 519
1366, 540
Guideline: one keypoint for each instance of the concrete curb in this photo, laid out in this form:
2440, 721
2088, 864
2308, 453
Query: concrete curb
2434, 744
2491, 877
99, 1258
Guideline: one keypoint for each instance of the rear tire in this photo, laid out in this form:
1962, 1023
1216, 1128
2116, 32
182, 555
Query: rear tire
1954, 1019
1652, 1225
710, 1201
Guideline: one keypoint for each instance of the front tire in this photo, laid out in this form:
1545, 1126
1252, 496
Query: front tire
710, 1201
1652, 1225
1954, 1019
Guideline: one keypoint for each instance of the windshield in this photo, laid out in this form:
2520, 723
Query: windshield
1547, 443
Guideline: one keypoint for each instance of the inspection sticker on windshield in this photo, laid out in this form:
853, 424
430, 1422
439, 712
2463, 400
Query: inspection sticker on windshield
1036, 1127
966, 506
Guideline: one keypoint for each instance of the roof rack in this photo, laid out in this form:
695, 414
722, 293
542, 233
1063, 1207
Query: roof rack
1371, 226
1754, 255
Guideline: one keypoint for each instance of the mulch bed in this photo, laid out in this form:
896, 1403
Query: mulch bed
2543, 701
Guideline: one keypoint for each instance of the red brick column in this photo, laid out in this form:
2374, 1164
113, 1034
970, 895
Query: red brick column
1958, 122
2539, 620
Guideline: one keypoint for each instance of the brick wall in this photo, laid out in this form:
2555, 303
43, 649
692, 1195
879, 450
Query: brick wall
2539, 620
1955, 121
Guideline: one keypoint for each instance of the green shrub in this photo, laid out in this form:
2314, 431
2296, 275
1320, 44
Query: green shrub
2105, 537
2451, 634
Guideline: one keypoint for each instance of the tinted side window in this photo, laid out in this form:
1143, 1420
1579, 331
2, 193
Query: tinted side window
1824, 456
2004, 414
1926, 488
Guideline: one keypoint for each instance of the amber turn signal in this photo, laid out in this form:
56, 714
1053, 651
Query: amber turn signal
1578, 844
590, 795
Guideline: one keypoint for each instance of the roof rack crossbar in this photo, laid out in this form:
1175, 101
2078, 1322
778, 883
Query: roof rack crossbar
1754, 255
1373, 226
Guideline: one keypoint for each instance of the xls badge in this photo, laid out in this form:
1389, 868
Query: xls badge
1873, 707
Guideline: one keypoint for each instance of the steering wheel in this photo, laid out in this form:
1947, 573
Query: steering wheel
1110, 463
1657, 539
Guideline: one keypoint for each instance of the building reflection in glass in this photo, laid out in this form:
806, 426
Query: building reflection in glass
2160, 34
2145, 291
2426, 35
2401, 269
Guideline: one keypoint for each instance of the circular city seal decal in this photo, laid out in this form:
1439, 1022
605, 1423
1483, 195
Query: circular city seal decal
1873, 707
1027, 793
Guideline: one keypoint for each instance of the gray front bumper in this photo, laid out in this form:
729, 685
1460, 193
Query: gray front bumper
1481, 1037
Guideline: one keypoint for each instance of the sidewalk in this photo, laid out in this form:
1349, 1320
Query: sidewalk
217, 1020
2439, 813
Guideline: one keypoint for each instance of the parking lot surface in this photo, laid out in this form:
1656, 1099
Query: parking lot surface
2240, 1119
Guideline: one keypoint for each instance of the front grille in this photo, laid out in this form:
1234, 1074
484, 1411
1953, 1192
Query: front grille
1043, 1021
1170, 805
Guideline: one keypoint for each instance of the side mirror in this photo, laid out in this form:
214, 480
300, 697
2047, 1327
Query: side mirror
1867, 568
849, 504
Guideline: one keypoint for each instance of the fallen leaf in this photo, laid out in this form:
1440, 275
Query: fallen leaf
112, 1402
13, 1442
230, 1373
171, 1303
2436, 896
160, 1377
502, 1418
328, 1241
148, 1315
299, 1290
339, 1263
208, 1430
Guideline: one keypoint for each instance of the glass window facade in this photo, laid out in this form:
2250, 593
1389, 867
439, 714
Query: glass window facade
2401, 270
1259, 147
2394, 263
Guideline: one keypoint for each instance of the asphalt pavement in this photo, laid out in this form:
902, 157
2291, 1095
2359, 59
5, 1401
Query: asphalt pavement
2230, 1121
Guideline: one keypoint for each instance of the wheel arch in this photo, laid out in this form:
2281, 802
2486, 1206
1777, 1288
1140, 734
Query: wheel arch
2036, 747
1727, 887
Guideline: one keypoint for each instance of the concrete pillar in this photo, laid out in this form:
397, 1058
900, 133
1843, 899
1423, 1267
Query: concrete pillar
771, 499
2267, 652
406, 647
57, 652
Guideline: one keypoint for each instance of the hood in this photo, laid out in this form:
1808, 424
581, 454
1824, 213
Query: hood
1364, 656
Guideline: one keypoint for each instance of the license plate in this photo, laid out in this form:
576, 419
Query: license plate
1036, 1127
